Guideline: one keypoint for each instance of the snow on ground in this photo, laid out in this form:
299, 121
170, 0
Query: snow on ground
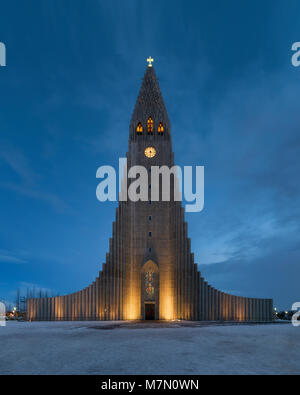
142, 348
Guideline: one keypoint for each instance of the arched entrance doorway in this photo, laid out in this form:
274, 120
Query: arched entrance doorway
150, 291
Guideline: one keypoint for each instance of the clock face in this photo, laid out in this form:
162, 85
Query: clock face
150, 152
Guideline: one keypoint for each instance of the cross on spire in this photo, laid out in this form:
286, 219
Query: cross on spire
150, 60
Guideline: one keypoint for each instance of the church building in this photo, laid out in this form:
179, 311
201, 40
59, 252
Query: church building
149, 270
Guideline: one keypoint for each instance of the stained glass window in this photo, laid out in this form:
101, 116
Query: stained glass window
149, 285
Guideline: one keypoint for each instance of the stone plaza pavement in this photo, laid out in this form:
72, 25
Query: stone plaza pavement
120, 347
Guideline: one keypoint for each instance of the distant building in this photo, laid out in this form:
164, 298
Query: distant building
149, 272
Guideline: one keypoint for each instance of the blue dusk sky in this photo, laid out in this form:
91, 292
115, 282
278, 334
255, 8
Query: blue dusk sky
73, 73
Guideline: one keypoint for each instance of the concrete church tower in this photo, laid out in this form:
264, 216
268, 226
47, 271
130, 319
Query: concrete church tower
149, 272
152, 238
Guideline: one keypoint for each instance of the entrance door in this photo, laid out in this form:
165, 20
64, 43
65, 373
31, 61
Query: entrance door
149, 311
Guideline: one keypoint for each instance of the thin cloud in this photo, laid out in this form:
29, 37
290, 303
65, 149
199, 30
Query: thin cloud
28, 185
17, 162
11, 259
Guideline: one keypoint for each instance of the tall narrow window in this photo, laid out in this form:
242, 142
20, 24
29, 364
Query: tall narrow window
160, 129
139, 128
150, 125
149, 285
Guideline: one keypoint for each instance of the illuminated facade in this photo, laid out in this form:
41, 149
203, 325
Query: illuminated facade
149, 272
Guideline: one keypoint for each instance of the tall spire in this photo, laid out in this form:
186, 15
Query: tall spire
150, 103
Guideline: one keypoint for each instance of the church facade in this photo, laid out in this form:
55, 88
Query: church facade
149, 271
